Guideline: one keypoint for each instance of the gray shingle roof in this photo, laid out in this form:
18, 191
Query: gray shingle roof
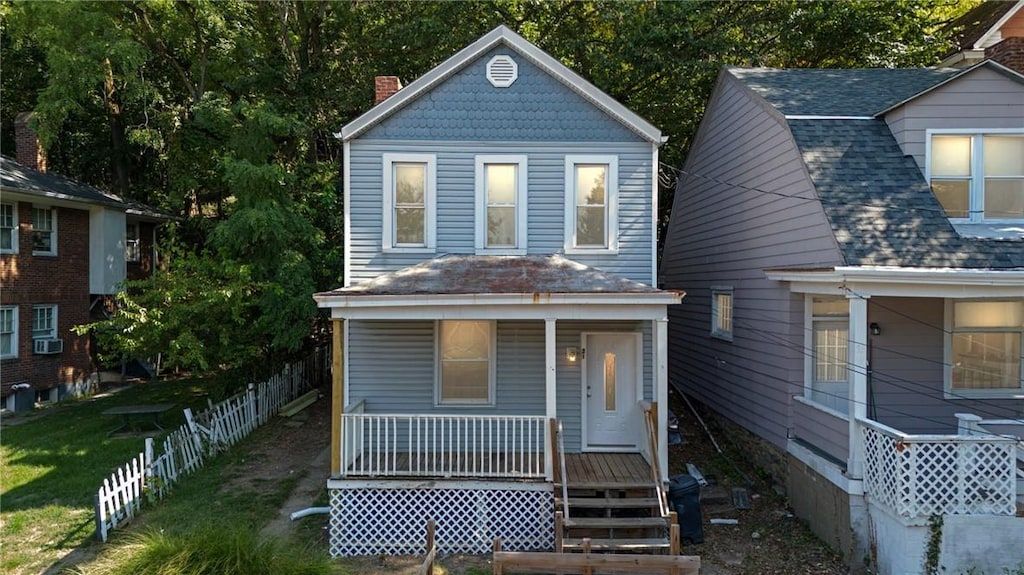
881, 209
16, 177
466, 274
859, 92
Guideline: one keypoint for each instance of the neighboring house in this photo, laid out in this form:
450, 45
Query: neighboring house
65, 248
989, 30
852, 243
499, 264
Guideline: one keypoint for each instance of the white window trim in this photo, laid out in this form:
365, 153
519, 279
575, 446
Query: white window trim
429, 203
492, 369
56, 330
53, 238
947, 362
715, 292
481, 203
14, 231
810, 356
14, 334
977, 179
611, 203
133, 255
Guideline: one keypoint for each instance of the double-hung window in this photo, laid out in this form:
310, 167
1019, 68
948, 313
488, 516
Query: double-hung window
44, 231
409, 202
978, 177
44, 321
829, 353
8, 228
501, 204
8, 331
721, 312
983, 350
466, 367
132, 249
591, 204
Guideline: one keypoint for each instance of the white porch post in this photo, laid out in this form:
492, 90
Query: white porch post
659, 331
858, 366
550, 395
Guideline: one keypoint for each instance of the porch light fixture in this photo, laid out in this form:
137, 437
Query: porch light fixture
875, 329
571, 354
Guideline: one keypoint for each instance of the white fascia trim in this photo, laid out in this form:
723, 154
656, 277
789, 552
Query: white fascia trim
58, 199
538, 57
655, 218
825, 468
981, 44
815, 117
899, 275
526, 299
609, 312
480, 189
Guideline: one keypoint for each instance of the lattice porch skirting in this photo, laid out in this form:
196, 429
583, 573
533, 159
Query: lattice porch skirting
390, 517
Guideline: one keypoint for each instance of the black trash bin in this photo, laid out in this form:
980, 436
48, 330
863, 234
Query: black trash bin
684, 496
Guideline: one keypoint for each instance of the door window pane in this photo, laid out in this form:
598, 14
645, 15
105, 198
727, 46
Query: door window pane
609, 381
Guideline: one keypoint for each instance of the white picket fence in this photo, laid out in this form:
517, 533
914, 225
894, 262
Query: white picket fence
204, 435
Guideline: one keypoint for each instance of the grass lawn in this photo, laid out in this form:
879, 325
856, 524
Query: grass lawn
52, 463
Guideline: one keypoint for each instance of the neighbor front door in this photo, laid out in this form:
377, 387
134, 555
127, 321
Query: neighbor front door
612, 380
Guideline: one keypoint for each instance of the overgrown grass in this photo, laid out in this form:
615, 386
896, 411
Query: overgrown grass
52, 464
232, 551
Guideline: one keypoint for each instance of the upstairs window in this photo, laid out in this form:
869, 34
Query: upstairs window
132, 249
466, 367
409, 209
8, 331
44, 231
501, 204
978, 177
8, 229
44, 322
591, 204
984, 351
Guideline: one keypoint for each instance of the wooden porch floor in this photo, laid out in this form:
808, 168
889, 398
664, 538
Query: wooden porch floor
627, 469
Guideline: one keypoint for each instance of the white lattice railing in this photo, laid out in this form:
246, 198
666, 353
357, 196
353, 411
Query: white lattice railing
485, 446
924, 475
970, 424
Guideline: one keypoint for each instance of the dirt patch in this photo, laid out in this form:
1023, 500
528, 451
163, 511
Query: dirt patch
768, 538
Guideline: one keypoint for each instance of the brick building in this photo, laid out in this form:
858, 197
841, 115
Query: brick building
65, 247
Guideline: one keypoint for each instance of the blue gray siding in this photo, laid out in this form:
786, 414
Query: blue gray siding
722, 234
404, 381
983, 99
825, 431
536, 108
456, 203
907, 378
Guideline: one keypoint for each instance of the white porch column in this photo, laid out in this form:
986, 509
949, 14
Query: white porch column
858, 366
659, 335
550, 394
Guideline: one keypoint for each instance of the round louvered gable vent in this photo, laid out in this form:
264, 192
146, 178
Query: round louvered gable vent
502, 71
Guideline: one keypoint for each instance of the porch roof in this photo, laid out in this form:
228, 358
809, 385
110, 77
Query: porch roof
903, 281
471, 280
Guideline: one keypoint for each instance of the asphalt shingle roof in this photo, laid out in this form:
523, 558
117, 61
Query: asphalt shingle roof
972, 25
471, 274
15, 176
881, 209
857, 92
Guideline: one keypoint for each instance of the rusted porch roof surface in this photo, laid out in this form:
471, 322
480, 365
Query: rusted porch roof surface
472, 274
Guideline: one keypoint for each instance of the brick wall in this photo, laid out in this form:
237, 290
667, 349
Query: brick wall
1009, 53
63, 280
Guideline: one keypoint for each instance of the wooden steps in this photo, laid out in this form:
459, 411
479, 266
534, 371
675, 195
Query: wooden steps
621, 516
610, 502
636, 545
614, 522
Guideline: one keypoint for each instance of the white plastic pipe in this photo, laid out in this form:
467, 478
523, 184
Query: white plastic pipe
309, 511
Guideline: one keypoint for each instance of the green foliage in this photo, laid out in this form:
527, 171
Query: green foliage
231, 551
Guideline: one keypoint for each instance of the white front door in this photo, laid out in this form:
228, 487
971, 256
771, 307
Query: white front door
612, 381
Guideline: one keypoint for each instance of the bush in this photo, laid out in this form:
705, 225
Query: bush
207, 552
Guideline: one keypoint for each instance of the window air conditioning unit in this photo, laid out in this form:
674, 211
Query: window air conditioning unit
48, 346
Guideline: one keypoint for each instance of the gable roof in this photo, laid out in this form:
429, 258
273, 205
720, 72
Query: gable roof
502, 35
974, 28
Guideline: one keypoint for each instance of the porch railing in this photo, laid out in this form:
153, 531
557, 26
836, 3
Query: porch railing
923, 475
970, 424
449, 446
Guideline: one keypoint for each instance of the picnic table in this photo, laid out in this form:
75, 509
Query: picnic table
135, 413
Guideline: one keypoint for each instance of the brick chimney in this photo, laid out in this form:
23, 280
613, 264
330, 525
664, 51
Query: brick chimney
28, 151
1009, 53
384, 87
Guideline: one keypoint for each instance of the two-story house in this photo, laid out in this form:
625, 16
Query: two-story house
852, 243
65, 249
498, 344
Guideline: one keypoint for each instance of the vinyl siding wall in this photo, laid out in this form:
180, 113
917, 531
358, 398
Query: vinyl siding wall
908, 357
983, 99
402, 380
721, 234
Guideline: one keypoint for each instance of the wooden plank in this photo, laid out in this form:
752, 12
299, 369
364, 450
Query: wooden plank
337, 394
526, 562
